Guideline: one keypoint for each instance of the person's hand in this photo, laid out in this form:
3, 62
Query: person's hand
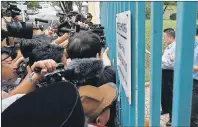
18, 61
105, 57
29, 71
4, 95
64, 43
83, 25
51, 33
172, 58
45, 65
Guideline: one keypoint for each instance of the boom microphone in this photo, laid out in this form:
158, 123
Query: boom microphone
41, 20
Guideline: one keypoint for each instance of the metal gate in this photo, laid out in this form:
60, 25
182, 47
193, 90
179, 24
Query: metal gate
133, 115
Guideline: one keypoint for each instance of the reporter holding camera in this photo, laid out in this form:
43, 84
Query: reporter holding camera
37, 110
8, 70
9, 76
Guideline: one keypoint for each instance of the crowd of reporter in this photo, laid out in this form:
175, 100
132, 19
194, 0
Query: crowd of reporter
84, 96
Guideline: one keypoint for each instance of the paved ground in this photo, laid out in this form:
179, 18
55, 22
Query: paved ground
164, 118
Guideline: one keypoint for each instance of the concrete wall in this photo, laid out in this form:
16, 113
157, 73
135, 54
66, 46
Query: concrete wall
94, 9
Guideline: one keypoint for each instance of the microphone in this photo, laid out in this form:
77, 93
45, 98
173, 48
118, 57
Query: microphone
41, 20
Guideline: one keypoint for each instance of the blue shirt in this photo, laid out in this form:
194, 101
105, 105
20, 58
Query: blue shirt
195, 74
169, 51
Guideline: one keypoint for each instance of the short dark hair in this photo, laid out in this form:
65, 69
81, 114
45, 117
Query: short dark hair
10, 51
170, 32
27, 45
197, 30
7, 51
85, 44
48, 51
89, 15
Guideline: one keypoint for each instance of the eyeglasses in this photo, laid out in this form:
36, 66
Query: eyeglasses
6, 59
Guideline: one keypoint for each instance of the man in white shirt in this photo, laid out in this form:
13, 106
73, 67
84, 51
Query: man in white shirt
167, 73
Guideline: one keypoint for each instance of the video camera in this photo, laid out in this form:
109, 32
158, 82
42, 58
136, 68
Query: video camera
63, 74
69, 22
21, 69
99, 30
11, 10
65, 27
70, 25
21, 29
70, 17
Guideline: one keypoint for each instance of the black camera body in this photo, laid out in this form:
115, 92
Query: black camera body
21, 69
99, 30
69, 24
12, 10
60, 74
21, 29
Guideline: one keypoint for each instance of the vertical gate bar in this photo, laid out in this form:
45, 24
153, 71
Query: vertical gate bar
185, 36
113, 34
117, 77
140, 30
110, 8
107, 27
132, 107
123, 101
156, 56
119, 105
126, 107
106, 23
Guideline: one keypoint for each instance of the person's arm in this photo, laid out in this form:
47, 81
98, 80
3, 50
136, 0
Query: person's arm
64, 44
24, 87
4, 95
27, 85
195, 68
168, 58
37, 32
18, 59
62, 38
105, 57
3, 43
83, 26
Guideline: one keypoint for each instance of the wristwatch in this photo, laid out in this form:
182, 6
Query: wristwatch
31, 80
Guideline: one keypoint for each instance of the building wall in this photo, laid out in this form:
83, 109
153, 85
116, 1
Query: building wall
94, 9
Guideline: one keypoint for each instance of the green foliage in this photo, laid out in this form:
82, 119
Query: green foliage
173, 16
32, 4
148, 10
170, 2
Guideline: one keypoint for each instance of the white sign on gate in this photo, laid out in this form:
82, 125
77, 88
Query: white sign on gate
123, 52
